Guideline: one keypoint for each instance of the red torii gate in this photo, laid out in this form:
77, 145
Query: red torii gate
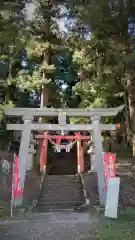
44, 148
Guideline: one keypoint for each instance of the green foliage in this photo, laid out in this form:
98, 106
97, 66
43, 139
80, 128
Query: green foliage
103, 54
40, 47
2, 115
12, 41
12, 27
122, 228
2, 123
100, 61
79, 120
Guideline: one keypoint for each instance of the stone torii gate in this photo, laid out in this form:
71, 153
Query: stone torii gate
28, 115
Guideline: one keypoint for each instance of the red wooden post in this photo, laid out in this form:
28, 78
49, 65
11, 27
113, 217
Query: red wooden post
78, 157
43, 155
82, 158
80, 154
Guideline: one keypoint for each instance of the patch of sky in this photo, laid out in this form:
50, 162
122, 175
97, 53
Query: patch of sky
29, 10
64, 86
131, 27
65, 22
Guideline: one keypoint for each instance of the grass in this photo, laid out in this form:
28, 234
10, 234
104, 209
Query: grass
121, 229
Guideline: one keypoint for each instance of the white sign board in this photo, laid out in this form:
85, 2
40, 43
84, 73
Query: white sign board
112, 198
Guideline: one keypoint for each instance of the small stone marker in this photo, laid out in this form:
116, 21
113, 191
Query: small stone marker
112, 198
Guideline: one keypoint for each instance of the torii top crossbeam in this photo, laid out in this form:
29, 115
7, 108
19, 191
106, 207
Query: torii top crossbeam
71, 112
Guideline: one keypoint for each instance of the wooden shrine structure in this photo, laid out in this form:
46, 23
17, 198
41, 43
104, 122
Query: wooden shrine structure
96, 127
56, 140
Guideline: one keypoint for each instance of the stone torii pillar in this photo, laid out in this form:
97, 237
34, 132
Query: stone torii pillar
24, 151
43, 154
99, 158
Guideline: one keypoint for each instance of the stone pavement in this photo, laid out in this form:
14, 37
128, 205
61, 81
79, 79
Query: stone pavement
50, 226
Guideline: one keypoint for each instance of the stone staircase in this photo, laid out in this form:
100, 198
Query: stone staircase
62, 187
61, 192
62, 163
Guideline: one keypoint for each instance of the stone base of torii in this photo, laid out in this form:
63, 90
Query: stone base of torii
28, 115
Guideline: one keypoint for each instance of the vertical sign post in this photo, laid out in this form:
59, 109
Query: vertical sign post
112, 200
112, 185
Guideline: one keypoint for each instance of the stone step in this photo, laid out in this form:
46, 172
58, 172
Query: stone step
62, 191
53, 198
49, 189
61, 196
58, 188
63, 166
56, 209
64, 163
74, 201
62, 203
61, 171
70, 176
70, 158
55, 185
66, 204
61, 178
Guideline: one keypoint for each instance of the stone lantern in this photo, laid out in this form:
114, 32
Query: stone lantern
92, 154
31, 152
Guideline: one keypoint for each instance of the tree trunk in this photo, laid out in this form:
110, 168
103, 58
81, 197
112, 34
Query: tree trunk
47, 58
127, 118
131, 101
44, 96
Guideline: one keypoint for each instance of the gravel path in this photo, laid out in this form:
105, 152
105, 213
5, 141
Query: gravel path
50, 226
